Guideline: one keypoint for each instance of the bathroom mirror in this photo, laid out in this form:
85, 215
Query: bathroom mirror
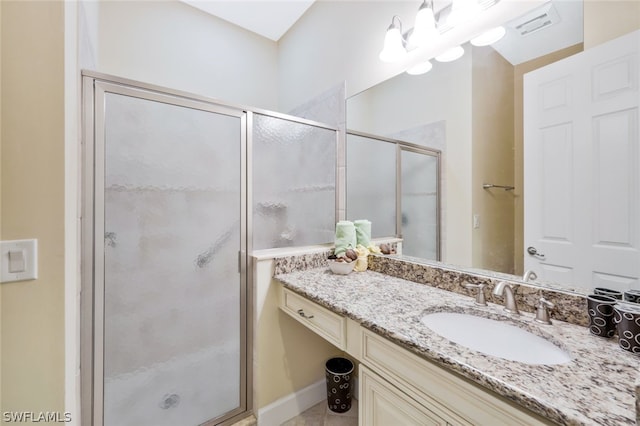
477, 100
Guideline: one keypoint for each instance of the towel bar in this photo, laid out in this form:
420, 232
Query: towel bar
490, 185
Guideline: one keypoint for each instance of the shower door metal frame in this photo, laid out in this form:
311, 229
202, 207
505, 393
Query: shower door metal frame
419, 149
95, 86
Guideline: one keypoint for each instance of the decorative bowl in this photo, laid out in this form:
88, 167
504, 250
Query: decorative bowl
341, 268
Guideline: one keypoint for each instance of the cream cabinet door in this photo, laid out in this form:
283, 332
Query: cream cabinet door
381, 404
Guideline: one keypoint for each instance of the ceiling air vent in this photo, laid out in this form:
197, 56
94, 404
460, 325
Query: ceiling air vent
537, 20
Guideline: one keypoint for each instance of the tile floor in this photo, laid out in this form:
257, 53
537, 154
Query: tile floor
320, 415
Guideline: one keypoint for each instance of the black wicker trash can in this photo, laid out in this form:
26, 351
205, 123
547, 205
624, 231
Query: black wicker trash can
339, 372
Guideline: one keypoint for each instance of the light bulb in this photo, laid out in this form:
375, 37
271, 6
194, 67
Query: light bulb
450, 54
393, 50
420, 68
424, 30
489, 37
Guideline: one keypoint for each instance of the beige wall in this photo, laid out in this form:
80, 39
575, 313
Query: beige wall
288, 356
605, 20
492, 159
172, 44
1, 421
33, 202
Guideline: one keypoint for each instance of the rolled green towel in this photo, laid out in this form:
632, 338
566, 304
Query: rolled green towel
345, 237
363, 232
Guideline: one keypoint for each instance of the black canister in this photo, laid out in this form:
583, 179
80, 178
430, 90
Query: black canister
627, 319
600, 310
339, 373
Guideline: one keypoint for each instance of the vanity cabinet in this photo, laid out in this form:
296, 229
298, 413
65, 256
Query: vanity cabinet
456, 400
397, 386
382, 404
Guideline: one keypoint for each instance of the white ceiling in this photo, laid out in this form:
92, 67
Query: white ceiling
268, 18
565, 30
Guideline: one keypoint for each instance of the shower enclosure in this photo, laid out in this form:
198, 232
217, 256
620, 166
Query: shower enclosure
166, 236
396, 185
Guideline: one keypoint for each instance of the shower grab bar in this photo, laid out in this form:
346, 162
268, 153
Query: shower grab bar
490, 185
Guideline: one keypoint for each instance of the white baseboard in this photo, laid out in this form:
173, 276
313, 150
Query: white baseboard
294, 404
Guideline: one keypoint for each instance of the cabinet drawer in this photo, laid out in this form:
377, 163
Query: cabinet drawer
440, 390
320, 320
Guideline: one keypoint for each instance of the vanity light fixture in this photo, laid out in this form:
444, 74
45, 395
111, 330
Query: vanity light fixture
441, 33
393, 50
424, 30
451, 54
463, 11
421, 68
489, 37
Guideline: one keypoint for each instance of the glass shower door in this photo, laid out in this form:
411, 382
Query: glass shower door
419, 177
173, 319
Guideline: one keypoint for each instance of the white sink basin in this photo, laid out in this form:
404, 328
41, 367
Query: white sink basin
495, 338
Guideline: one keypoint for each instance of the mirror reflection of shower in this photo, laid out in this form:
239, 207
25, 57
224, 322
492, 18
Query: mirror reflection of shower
396, 185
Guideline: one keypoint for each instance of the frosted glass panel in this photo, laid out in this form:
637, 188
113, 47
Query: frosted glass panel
419, 204
294, 183
172, 286
371, 183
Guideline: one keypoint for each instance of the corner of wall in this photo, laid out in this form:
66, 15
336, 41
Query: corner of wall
492, 159
73, 38
32, 312
1, 180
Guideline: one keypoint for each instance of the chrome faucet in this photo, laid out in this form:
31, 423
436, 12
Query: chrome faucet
508, 291
542, 311
480, 299
529, 275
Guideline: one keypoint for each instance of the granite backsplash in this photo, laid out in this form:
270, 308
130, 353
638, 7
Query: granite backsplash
569, 307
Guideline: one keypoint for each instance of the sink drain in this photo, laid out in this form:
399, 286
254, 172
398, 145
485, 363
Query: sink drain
169, 401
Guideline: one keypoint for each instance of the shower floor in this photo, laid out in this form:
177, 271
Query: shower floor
184, 391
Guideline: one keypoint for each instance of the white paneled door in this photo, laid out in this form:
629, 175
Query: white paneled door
582, 185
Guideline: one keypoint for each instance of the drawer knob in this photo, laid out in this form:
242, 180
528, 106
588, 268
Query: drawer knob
303, 315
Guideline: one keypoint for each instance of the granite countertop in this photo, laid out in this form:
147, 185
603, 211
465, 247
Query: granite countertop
598, 387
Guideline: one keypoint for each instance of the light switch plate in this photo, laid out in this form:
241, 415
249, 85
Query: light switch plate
476, 221
29, 249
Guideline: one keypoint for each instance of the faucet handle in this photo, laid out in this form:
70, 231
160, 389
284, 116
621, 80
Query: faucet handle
480, 298
542, 311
